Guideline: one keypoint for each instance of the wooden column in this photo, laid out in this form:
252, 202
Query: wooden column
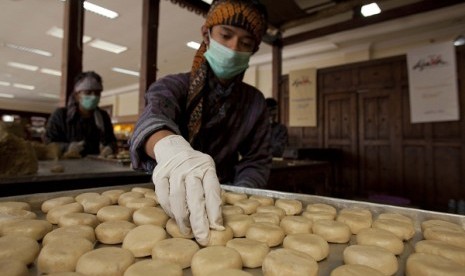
71, 60
148, 70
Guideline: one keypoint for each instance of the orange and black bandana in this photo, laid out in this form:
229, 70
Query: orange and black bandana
245, 14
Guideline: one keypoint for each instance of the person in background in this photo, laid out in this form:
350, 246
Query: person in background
207, 127
279, 136
81, 128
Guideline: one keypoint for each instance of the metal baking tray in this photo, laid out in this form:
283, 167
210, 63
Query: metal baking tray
325, 266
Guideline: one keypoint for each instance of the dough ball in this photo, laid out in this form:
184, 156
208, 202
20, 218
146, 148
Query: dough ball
355, 270
213, 258
375, 257
239, 224
153, 196
296, 225
290, 206
443, 249
310, 244
54, 202
142, 190
80, 197
381, 238
61, 255
321, 207
76, 231
220, 237
395, 216
437, 222
150, 215
272, 209
229, 272
402, 229
173, 229
114, 212
176, 250
264, 200
232, 197
113, 195
13, 267
66, 274
289, 262
128, 196
113, 231
448, 235
356, 218
266, 217
137, 203
429, 264
252, 252
108, 261
268, 233
14, 205
18, 213
78, 219
318, 215
55, 213
154, 267
231, 210
19, 248
32, 228
248, 205
332, 231
91, 205
141, 239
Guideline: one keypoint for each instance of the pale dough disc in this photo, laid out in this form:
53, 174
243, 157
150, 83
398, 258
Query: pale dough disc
381, 238
220, 237
55, 213
239, 223
91, 205
395, 216
78, 219
115, 212
214, 258
248, 205
232, 197
289, 262
66, 274
152, 195
137, 203
142, 190
61, 255
449, 251
432, 265
321, 207
272, 209
53, 202
375, 257
437, 222
80, 197
141, 239
356, 218
13, 267
229, 272
290, 206
173, 229
32, 228
81, 231
108, 261
296, 225
448, 235
18, 213
268, 233
355, 270
402, 229
113, 195
113, 231
231, 210
176, 250
252, 252
310, 244
266, 217
20, 248
150, 215
332, 231
128, 196
14, 205
264, 200
318, 215
154, 267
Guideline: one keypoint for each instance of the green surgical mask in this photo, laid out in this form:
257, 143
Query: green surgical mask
226, 63
89, 102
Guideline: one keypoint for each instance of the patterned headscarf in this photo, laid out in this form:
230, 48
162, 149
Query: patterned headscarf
246, 14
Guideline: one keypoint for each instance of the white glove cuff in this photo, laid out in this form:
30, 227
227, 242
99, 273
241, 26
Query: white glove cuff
169, 146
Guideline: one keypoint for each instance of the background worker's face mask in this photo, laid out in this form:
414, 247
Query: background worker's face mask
226, 63
89, 102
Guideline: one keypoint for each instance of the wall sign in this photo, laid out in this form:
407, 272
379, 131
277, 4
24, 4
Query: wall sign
302, 98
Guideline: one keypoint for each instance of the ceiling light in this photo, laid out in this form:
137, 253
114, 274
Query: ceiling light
459, 41
193, 45
29, 50
125, 71
208, 1
23, 66
100, 10
58, 33
48, 95
24, 86
370, 9
50, 72
4, 83
7, 118
107, 46
3, 95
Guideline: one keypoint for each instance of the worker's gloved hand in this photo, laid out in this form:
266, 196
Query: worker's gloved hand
105, 151
187, 187
74, 149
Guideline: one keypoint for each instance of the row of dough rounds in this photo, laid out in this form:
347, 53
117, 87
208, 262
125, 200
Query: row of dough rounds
119, 232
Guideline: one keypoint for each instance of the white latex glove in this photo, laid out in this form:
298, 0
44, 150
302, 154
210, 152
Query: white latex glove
105, 151
187, 187
76, 146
